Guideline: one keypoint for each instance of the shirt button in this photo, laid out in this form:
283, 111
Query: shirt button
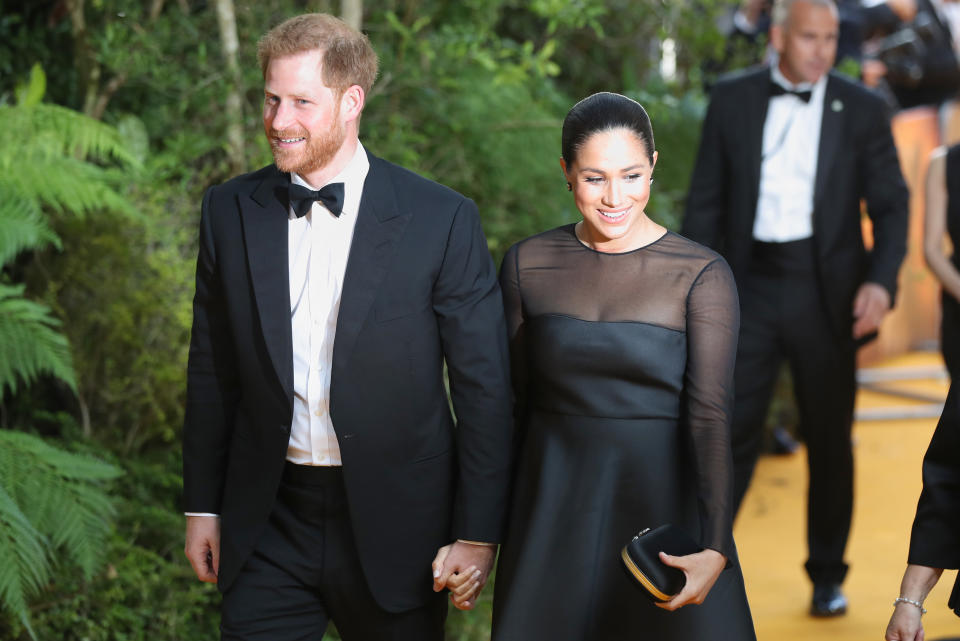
318, 413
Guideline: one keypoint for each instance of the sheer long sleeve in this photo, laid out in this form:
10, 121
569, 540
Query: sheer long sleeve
713, 323
513, 309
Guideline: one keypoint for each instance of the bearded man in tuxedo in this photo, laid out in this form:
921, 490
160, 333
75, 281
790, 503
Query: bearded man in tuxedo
324, 476
787, 154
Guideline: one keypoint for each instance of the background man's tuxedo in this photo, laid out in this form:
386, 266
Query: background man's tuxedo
420, 287
856, 160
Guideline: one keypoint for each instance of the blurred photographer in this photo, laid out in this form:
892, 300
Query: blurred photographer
914, 61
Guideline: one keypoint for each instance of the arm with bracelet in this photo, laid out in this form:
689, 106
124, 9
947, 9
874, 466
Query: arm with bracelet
935, 538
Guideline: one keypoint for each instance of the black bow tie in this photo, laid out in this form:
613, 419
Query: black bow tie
776, 89
302, 198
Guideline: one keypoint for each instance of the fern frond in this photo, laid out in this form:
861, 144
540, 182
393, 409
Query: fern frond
59, 493
66, 184
60, 462
24, 562
61, 131
22, 225
30, 344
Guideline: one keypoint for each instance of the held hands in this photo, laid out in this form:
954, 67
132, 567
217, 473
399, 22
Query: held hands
203, 546
464, 569
702, 570
869, 307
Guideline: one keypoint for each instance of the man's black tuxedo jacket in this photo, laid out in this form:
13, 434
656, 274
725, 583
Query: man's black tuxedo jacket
935, 539
420, 289
857, 160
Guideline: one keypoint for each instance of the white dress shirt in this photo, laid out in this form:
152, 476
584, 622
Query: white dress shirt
788, 166
319, 244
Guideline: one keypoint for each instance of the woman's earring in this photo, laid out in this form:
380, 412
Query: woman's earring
651, 181
569, 187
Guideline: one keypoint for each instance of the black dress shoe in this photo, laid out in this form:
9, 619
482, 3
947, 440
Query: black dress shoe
828, 600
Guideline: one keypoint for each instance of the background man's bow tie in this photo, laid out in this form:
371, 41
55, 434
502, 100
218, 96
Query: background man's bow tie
302, 198
776, 89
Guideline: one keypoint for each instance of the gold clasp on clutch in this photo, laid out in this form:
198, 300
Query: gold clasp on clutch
641, 533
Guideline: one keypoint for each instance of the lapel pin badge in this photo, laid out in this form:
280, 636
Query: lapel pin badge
836, 105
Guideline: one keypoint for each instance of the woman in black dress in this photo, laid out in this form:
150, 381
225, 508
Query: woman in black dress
623, 337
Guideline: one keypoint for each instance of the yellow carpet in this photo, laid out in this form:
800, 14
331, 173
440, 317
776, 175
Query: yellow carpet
770, 530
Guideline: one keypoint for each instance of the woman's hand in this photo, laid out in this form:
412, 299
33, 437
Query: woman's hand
463, 568
905, 624
702, 570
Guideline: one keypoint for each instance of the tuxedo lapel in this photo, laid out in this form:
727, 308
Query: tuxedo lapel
265, 228
380, 224
831, 137
754, 113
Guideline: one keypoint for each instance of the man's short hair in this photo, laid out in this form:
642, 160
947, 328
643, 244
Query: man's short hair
781, 8
348, 57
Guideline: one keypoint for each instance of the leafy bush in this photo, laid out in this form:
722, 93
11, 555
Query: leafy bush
51, 502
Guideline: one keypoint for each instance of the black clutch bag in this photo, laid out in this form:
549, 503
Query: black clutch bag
641, 558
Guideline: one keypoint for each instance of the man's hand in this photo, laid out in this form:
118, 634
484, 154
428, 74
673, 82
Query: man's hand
203, 546
702, 570
869, 307
464, 569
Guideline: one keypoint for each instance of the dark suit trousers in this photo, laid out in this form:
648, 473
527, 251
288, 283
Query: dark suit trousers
783, 317
305, 572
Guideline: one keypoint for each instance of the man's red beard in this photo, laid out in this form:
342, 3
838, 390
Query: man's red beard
313, 154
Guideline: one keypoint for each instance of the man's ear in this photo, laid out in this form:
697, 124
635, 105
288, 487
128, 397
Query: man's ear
351, 103
776, 37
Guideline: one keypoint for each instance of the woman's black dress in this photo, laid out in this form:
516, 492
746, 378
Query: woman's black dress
950, 321
623, 367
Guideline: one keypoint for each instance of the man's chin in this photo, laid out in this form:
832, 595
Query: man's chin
287, 163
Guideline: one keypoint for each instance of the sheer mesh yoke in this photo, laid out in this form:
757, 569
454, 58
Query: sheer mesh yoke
554, 273
623, 370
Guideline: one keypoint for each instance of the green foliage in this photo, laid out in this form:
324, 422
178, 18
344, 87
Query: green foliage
50, 156
47, 158
51, 502
506, 136
146, 591
676, 131
22, 227
30, 344
126, 290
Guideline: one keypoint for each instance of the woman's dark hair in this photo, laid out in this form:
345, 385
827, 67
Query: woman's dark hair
602, 112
